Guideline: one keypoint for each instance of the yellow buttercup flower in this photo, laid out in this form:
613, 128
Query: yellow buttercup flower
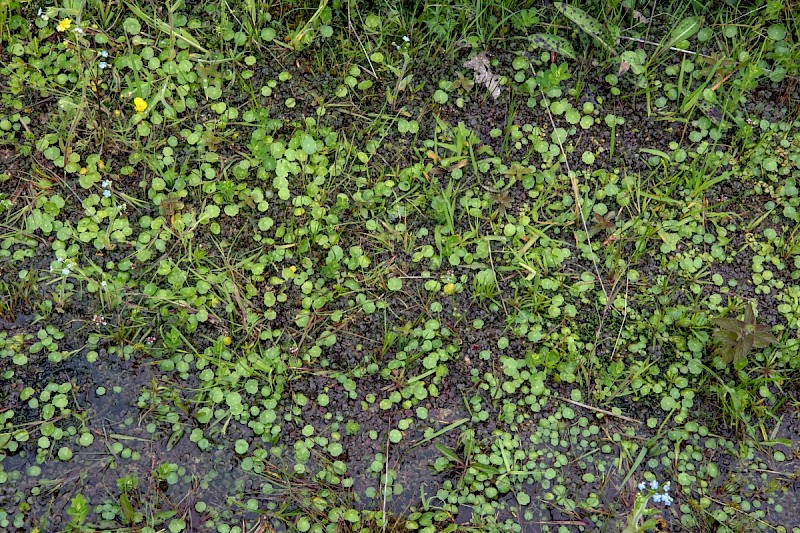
64, 25
140, 104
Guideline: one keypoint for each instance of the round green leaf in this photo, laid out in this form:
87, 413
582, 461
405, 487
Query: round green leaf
309, 144
777, 32
335, 449
86, 439
395, 436
131, 25
64, 453
241, 446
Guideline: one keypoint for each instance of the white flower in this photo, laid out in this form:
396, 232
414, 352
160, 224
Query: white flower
107, 193
105, 184
666, 487
65, 271
102, 65
406, 39
104, 53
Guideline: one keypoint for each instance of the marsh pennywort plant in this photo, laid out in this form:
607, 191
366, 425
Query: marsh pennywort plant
287, 264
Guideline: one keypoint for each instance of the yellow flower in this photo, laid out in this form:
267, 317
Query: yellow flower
139, 104
64, 25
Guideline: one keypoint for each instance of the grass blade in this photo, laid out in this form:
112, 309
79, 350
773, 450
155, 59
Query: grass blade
441, 432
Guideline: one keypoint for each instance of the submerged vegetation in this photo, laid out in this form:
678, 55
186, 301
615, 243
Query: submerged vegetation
481, 265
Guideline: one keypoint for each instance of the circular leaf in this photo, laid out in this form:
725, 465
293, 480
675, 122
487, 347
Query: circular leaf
777, 32
132, 26
668, 403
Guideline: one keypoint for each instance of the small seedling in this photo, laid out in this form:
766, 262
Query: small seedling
737, 338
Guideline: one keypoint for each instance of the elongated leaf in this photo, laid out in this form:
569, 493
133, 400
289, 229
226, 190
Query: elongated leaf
587, 23
447, 452
729, 324
448, 427
690, 101
685, 29
762, 336
553, 43
127, 508
486, 469
657, 153
778, 442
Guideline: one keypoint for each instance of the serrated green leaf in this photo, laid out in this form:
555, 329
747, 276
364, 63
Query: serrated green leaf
587, 23
728, 324
762, 337
553, 43
742, 348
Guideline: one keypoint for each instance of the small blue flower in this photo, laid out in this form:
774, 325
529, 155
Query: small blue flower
666, 487
667, 499
65, 271
642, 485
657, 497
102, 65
107, 193
654, 485
105, 184
104, 53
